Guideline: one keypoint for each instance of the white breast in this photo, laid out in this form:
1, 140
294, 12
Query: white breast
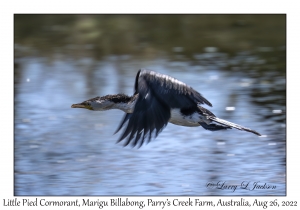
178, 119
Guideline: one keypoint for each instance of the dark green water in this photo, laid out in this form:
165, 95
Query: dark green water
232, 60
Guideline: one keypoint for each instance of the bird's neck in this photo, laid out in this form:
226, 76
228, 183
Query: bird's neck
126, 107
122, 102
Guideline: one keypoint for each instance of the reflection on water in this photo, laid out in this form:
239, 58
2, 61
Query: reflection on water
64, 151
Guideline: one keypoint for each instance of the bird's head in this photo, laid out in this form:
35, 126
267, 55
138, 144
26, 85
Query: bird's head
119, 101
85, 105
95, 104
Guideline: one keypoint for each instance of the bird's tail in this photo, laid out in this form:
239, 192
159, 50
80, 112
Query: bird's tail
233, 125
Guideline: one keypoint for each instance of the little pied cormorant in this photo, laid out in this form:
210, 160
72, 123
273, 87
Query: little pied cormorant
157, 100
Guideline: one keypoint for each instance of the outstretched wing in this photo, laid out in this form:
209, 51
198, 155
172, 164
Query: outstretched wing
157, 94
170, 90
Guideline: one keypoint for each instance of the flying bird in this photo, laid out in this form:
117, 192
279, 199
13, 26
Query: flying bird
157, 100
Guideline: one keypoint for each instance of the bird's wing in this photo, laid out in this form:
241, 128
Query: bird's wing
157, 94
170, 90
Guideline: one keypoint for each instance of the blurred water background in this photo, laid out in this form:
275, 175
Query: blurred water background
238, 62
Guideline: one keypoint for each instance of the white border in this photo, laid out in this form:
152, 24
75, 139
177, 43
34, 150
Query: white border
8, 8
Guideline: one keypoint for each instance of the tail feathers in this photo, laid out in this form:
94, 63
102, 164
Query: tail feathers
233, 125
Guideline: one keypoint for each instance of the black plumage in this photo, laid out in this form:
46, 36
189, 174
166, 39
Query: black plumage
157, 95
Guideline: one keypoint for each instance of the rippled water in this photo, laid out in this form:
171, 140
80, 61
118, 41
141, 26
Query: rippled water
64, 151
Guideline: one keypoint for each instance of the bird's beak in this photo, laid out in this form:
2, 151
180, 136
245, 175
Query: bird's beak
78, 106
82, 105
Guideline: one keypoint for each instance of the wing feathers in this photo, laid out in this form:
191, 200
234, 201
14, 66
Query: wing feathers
156, 95
149, 115
171, 88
